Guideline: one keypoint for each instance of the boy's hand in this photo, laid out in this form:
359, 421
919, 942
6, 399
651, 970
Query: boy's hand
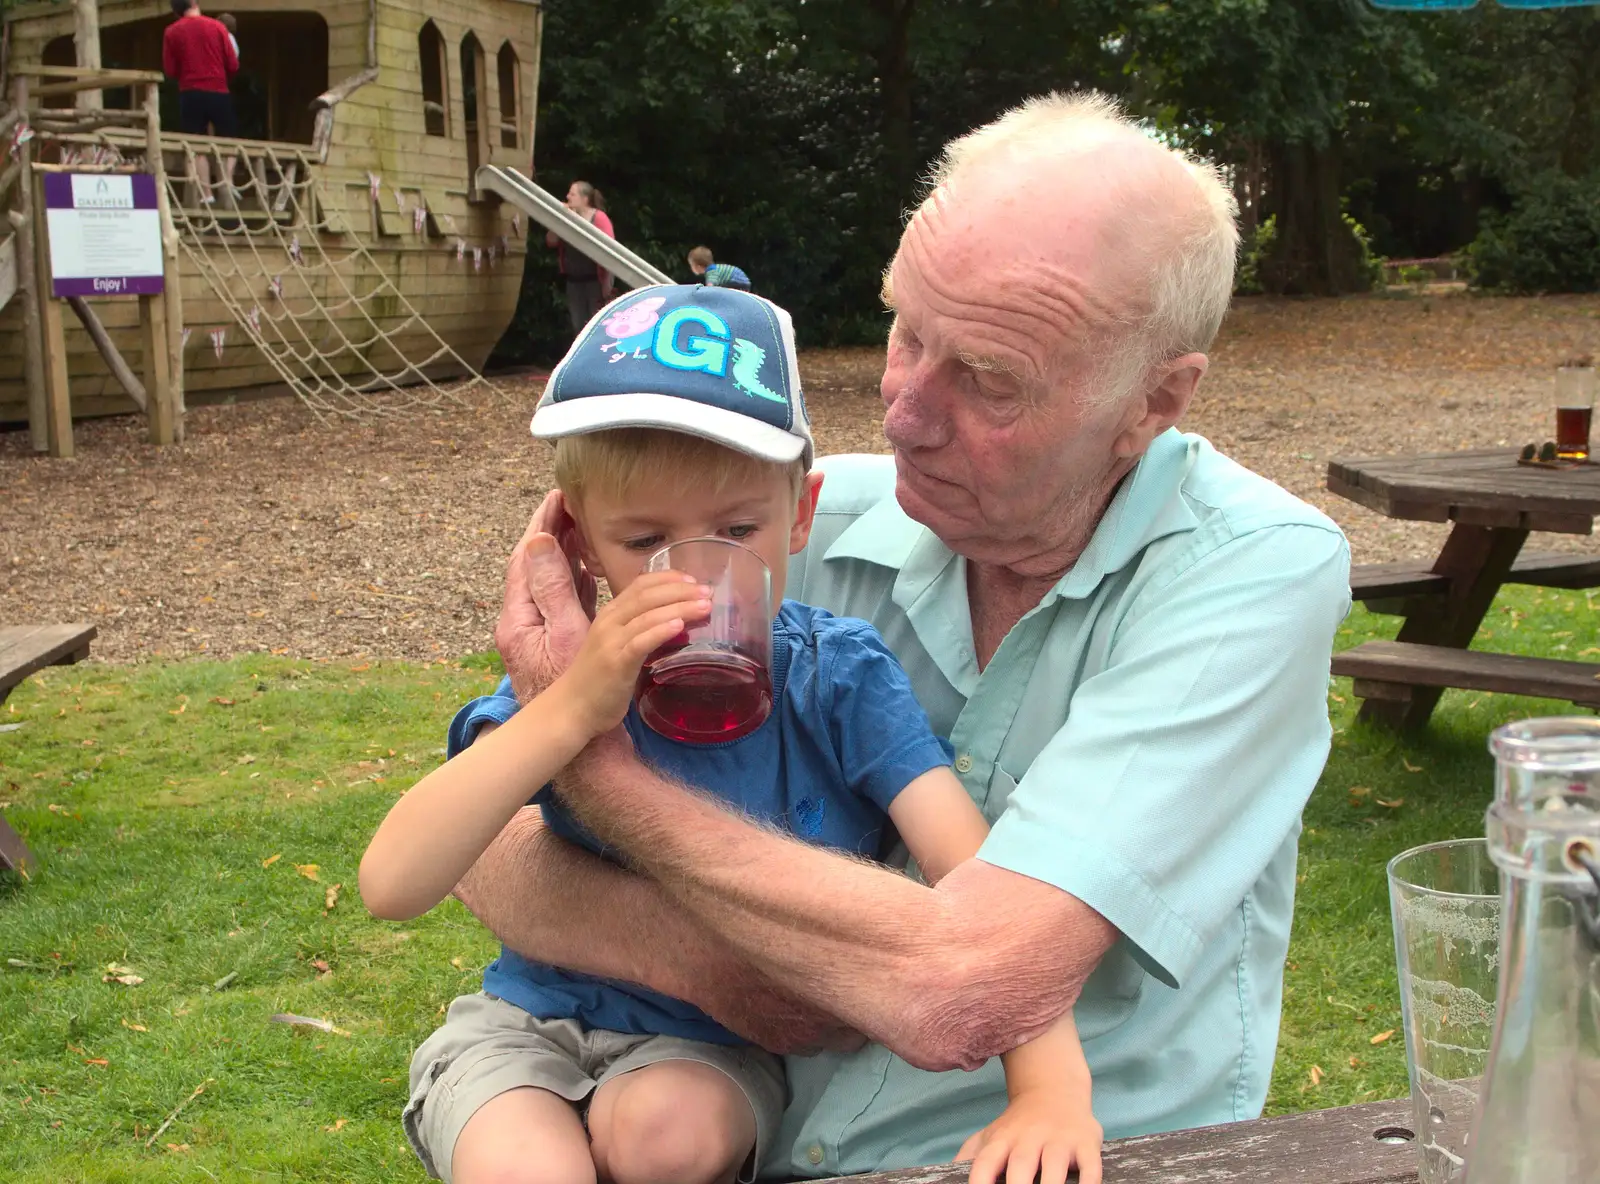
1042, 1133
651, 612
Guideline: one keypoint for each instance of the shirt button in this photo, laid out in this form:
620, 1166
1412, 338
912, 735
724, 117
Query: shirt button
963, 763
814, 1154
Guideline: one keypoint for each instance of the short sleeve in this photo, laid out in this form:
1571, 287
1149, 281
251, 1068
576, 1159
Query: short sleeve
496, 708
880, 732
1184, 764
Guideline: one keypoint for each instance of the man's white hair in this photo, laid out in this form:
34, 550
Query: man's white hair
1191, 264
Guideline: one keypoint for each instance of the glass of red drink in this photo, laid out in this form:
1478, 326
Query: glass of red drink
713, 682
1575, 391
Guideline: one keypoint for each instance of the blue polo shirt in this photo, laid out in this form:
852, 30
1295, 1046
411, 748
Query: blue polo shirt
845, 736
1145, 739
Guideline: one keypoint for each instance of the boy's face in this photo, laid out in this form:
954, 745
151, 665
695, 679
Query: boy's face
697, 268
617, 535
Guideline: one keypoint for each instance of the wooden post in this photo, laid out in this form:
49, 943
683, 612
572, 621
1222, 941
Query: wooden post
58, 396
86, 41
28, 285
120, 370
157, 374
166, 398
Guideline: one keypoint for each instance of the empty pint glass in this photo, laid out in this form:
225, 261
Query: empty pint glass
713, 682
1445, 898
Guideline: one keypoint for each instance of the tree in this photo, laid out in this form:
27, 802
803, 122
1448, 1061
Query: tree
1275, 89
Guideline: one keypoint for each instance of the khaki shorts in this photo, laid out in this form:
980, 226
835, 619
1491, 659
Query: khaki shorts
488, 1046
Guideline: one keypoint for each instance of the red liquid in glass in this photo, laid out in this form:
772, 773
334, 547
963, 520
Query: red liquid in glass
1572, 432
702, 695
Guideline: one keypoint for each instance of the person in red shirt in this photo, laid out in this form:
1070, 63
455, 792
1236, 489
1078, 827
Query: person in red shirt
198, 54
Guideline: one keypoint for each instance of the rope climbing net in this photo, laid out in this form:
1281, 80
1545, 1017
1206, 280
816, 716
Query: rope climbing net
334, 325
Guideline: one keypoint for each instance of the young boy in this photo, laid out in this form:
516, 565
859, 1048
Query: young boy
231, 23
550, 1076
717, 275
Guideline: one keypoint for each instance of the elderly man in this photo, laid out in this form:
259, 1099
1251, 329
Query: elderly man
1125, 636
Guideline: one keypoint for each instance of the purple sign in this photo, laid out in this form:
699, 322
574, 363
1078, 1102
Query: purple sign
105, 234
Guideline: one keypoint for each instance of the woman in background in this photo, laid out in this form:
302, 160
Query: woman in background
588, 284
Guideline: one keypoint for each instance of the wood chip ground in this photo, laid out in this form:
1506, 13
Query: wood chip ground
266, 531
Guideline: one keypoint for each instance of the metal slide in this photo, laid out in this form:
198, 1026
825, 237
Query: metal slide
546, 209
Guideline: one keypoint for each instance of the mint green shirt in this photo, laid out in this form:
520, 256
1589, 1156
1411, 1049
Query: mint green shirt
1144, 739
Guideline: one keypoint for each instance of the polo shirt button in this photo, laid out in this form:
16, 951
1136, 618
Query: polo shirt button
814, 1154
963, 763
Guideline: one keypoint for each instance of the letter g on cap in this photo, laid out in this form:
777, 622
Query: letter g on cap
708, 353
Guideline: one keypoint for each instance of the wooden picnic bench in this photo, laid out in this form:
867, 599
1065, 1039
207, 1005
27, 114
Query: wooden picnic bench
1367, 1144
25, 649
1494, 503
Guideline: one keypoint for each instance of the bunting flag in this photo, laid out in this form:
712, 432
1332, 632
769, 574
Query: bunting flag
254, 319
477, 258
374, 184
516, 223
504, 246
294, 248
461, 248
276, 287
186, 332
218, 337
400, 199
419, 219
19, 137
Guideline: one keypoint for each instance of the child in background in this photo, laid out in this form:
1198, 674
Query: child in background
231, 23
702, 432
717, 275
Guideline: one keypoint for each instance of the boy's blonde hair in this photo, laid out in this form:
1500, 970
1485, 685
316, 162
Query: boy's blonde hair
701, 257
618, 461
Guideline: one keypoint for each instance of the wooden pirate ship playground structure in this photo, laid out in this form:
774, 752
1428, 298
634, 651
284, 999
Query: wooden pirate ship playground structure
371, 254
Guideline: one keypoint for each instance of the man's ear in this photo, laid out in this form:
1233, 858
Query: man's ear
1163, 405
805, 513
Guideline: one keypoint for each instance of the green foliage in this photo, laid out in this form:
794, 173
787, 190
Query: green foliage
759, 129
1369, 266
1247, 279
1549, 242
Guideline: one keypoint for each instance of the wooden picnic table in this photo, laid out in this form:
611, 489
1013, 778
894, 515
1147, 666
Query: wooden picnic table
1494, 502
1368, 1144
25, 649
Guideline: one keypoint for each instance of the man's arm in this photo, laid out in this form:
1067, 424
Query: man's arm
995, 957
562, 905
1175, 781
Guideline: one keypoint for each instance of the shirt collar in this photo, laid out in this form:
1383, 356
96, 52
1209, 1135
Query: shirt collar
1147, 506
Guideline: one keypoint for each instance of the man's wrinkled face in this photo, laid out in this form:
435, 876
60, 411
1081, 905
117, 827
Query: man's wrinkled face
992, 348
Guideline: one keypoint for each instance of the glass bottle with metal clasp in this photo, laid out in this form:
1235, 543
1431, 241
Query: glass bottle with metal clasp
1538, 1116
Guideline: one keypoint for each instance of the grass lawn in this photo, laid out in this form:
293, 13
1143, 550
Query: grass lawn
200, 824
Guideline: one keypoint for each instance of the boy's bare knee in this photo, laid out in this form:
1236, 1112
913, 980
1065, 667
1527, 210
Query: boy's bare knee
674, 1123
523, 1136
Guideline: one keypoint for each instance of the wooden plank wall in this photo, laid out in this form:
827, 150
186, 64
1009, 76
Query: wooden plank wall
379, 129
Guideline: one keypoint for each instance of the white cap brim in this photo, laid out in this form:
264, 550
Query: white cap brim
742, 433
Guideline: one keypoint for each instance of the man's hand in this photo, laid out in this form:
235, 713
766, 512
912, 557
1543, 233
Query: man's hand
655, 608
549, 600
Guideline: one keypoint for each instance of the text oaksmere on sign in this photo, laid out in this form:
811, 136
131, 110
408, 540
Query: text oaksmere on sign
105, 234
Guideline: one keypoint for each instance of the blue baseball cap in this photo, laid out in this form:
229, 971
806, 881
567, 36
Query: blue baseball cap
713, 362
